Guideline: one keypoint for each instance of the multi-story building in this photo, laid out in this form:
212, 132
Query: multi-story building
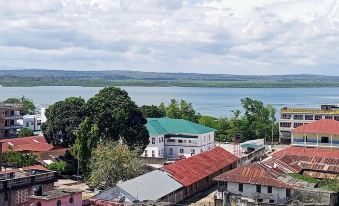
17, 185
291, 118
174, 138
9, 116
33, 121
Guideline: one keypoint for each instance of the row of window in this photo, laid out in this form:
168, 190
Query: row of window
289, 124
309, 117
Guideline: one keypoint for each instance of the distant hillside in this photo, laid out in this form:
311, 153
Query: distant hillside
35, 77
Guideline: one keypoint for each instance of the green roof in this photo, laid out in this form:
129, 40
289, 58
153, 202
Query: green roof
159, 126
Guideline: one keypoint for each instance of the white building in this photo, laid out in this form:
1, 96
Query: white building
291, 118
254, 182
174, 138
33, 121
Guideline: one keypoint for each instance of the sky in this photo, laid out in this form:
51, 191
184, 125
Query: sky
203, 36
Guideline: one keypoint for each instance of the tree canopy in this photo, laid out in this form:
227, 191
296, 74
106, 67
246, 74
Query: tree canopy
118, 117
17, 159
25, 132
87, 139
28, 106
152, 111
180, 110
63, 120
112, 162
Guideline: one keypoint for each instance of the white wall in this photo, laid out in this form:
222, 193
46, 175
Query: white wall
203, 143
250, 191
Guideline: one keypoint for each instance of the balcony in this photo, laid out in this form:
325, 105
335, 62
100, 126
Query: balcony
13, 117
14, 126
186, 144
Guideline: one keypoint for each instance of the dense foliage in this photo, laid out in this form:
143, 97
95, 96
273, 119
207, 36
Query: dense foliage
60, 166
28, 106
87, 140
25, 132
17, 159
63, 120
256, 122
179, 110
112, 162
118, 117
152, 111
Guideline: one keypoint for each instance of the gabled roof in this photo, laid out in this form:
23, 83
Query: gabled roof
33, 167
150, 186
198, 167
326, 126
307, 151
254, 173
32, 144
159, 126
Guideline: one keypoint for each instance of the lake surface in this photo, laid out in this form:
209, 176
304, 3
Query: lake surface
210, 101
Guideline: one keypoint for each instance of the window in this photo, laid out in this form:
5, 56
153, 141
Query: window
286, 116
317, 117
328, 117
241, 187
308, 117
38, 204
153, 140
58, 203
180, 141
159, 153
324, 140
298, 116
288, 193
192, 151
272, 201
269, 189
259, 188
170, 151
170, 140
71, 200
336, 118
260, 200
159, 139
27, 124
153, 153
285, 124
39, 122
181, 151
295, 125
146, 154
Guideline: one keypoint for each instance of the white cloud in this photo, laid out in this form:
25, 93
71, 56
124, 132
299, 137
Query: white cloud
219, 36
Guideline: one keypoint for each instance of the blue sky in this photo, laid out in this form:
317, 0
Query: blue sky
205, 36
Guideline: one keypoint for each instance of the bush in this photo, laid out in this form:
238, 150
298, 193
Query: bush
60, 166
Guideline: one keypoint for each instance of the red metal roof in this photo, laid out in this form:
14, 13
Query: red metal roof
52, 154
307, 151
193, 169
326, 126
33, 167
32, 144
254, 173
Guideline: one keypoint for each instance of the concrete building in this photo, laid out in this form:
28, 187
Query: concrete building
196, 173
9, 116
320, 133
33, 121
153, 186
57, 197
176, 138
17, 184
291, 118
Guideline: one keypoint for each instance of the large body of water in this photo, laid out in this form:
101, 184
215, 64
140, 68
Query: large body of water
210, 101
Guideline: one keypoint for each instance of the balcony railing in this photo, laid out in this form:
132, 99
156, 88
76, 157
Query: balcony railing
14, 126
29, 180
9, 117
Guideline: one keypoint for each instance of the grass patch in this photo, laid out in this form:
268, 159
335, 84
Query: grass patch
303, 178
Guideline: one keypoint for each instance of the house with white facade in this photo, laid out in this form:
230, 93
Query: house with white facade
33, 121
175, 138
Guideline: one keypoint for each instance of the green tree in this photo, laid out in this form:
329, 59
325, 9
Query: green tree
17, 159
63, 120
25, 132
28, 106
112, 162
151, 111
87, 140
180, 110
60, 166
118, 117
